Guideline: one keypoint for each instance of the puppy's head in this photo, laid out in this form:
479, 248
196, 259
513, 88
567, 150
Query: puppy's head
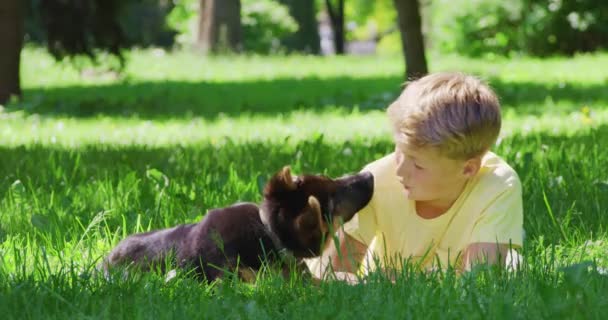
304, 209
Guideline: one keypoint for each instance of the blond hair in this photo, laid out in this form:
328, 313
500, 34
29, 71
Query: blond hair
454, 112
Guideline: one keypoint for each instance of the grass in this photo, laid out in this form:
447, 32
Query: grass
88, 159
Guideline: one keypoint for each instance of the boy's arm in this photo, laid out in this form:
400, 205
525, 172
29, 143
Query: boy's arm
349, 255
484, 252
499, 228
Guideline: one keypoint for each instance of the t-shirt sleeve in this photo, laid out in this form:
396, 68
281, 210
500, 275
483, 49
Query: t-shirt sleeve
363, 225
502, 220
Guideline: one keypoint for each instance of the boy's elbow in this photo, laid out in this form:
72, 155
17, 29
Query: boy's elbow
491, 253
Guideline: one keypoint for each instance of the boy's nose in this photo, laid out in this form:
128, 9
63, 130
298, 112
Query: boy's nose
402, 174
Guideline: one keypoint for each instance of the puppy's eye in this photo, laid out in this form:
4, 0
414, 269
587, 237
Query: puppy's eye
328, 210
330, 207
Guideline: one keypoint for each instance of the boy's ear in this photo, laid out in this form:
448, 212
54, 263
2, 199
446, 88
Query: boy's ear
471, 167
311, 218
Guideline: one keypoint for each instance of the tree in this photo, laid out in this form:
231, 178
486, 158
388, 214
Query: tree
408, 13
80, 27
306, 39
11, 40
220, 26
336, 17
67, 27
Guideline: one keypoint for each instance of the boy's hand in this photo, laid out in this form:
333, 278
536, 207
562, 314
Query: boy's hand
485, 252
349, 256
347, 277
342, 258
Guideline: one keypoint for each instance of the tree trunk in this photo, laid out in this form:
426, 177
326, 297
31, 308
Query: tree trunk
412, 41
306, 39
11, 41
220, 26
336, 16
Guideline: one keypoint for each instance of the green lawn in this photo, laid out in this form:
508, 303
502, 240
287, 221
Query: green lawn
87, 159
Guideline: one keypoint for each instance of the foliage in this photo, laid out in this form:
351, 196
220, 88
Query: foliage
265, 22
83, 27
561, 26
184, 19
370, 18
536, 27
145, 23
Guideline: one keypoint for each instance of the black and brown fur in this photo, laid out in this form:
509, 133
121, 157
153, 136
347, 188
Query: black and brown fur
295, 216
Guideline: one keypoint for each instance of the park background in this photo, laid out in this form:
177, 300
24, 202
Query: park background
126, 116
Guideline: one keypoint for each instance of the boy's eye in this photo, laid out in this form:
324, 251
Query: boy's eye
418, 167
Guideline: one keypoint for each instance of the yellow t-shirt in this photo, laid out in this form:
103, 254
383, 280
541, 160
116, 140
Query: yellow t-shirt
488, 210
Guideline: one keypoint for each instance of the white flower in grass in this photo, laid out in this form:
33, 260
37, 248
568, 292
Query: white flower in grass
556, 182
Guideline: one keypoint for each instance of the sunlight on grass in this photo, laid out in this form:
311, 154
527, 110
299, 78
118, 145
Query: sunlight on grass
159, 65
336, 126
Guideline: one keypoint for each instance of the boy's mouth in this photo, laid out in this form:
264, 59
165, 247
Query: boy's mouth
405, 186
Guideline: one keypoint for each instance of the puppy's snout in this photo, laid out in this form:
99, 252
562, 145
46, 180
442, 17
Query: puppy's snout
354, 194
367, 183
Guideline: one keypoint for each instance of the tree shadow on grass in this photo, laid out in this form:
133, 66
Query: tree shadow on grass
175, 99
535, 98
166, 100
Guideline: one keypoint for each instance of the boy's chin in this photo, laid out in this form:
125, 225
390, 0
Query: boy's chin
412, 195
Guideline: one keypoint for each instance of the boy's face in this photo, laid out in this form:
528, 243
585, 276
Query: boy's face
427, 176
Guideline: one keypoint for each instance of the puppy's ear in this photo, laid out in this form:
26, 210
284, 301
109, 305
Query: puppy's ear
311, 218
286, 177
282, 181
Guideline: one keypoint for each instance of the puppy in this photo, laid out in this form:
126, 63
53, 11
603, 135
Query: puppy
292, 222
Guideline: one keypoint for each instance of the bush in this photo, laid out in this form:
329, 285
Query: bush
265, 22
142, 22
565, 26
536, 27
184, 19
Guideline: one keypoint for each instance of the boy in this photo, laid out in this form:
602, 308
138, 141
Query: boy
441, 197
